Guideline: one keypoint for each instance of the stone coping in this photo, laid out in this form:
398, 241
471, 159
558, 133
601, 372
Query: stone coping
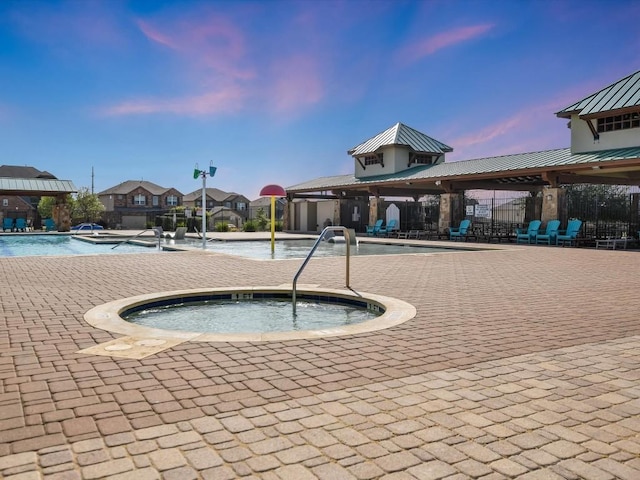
107, 316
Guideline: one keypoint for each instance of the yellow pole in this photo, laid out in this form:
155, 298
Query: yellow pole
273, 224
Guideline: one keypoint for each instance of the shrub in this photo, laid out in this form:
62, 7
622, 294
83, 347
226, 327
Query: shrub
249, 226
221, 227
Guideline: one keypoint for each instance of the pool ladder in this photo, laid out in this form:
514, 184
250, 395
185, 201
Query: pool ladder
347, 240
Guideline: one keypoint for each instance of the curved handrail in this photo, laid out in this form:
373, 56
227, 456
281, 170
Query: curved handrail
347, 238
156, 230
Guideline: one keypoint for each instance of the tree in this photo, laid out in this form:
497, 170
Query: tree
86, 207
45, 206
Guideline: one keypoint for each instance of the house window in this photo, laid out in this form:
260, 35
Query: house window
619, 122
5, 202
241, 206
155, 200
374, 159
139, 200
227, 204
172, 200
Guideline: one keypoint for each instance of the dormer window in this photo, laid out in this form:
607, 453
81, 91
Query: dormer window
619, 122
376, 159
423, 159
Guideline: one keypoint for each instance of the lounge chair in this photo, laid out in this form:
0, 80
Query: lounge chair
21, 225
7, 224
389, 228
528, 235
372, 231
549, 236
178, 235
570, 234
49, 225
460, 232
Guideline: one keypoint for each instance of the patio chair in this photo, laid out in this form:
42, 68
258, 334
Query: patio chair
7, 224
549, 236
48, 224
389, 228
528, 235
178, 235
460, 232
372, 231
570, 234
21, 225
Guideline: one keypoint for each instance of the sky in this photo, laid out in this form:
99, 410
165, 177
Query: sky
277, 91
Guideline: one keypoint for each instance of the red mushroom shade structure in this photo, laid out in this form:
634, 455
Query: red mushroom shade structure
273, 191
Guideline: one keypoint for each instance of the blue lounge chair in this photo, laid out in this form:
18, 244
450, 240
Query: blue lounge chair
372, 231
389, 228
549, 236
21, 225
570, 234
528, 235
7, 224
461, 231
49, 224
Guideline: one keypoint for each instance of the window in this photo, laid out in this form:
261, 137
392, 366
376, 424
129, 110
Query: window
5, 202
227, 204
172, 200
241, 206
423, 159
374, 159
139, 200
155, 200
619, 122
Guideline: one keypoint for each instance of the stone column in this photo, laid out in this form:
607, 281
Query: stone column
374, 213
554, 205
62, 215
451, 211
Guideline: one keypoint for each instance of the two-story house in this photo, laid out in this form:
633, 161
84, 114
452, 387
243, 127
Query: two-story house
134, 203
218, 198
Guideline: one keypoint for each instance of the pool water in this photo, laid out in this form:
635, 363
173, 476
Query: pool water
30, 245
241, 316
285, 249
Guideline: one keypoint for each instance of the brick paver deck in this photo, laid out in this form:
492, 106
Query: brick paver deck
520, 363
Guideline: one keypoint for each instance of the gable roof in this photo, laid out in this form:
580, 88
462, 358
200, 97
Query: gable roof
130, 185
17, 171
213, 193
621, 96
400, 134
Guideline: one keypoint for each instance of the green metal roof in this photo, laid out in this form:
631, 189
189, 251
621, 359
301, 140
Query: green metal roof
622, 95
503, 165
36, 185
401, 134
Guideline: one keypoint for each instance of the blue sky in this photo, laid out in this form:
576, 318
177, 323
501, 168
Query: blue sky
278, 91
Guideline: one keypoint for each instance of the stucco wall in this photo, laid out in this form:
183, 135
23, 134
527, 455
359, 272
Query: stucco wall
582, 138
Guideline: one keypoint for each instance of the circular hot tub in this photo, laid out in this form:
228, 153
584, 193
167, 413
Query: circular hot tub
249, 314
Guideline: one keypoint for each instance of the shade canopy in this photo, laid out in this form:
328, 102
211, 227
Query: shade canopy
273, 191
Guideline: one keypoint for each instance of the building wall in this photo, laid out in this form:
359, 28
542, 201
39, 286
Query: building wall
395, 160
582, 138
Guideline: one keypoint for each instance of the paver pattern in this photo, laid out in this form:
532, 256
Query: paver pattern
522, 362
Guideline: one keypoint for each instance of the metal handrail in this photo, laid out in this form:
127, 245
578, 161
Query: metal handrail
156, 230
347, 239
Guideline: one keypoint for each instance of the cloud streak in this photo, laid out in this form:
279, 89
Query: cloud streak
430, 45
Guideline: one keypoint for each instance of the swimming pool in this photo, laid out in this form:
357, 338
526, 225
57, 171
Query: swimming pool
287, 249
52, 244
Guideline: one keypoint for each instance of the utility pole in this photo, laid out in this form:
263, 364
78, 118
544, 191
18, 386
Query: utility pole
91, 180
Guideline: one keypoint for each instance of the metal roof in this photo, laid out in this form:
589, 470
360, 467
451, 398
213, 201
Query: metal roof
401, 134
504, 167
621, 95
36, 185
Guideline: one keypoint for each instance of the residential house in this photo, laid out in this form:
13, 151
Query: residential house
264, 204
218, 198
135, 203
